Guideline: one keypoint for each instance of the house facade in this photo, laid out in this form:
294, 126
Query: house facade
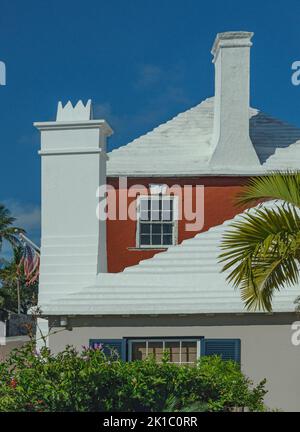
131, 238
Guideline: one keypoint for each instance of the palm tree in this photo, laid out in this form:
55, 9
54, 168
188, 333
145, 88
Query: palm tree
15, 294
262, 248
8, 231
10, 278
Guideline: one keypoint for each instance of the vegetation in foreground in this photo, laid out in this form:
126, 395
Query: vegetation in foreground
90, 381
262, 251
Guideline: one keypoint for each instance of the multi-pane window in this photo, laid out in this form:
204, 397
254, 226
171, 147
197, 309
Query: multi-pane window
184, 352
156, 218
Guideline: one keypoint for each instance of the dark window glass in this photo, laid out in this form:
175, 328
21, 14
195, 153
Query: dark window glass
156, 228
145, 228
145, 239
167, 240
167, 228
156, 239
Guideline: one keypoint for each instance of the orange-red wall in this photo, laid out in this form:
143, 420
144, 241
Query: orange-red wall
219, 195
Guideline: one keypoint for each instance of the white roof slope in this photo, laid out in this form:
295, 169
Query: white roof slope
184, 146
186, 279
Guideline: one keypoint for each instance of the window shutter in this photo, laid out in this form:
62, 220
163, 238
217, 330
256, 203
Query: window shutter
228, 349
109, 345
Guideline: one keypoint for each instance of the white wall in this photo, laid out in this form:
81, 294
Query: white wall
266, 350
73, 244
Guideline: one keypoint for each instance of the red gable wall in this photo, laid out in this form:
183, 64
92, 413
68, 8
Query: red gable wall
219, 195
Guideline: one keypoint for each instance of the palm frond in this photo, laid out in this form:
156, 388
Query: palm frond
8, 231
283, 186
262, 252
11, 235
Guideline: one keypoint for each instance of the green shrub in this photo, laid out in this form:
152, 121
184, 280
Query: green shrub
90, 381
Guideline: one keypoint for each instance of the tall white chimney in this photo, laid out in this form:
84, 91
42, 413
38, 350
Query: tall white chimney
231, 141
73, 249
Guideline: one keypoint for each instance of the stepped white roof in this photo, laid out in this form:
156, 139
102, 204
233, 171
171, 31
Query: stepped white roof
184, 146
186, 279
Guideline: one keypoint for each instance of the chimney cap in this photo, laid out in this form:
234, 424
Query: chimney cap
230, 40
78, 112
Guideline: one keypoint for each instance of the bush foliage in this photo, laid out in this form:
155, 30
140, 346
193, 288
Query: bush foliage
90, 381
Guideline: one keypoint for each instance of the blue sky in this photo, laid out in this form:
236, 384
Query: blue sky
140, 61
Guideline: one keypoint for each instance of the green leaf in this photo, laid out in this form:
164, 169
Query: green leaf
262, 252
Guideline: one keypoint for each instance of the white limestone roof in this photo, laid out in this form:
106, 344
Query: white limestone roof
182, 146
186, 279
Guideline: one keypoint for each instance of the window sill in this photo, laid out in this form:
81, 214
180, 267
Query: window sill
147, 249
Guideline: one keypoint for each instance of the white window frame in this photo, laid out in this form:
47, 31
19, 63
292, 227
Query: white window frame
174, 222
164, 340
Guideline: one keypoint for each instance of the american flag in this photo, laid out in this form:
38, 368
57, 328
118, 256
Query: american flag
30, 261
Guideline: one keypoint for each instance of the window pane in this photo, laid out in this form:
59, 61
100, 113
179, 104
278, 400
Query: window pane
189, 352
145, 208
156, 228
144, 204
167, 204
155, 204
145, 228
156, 349
145, 216
156, 215
167, 215
156, 240
173, 349
145, 239
167, 240
167, 228
138, 351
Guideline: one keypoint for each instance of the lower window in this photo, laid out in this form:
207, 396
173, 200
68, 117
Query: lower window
185, 351
182, 352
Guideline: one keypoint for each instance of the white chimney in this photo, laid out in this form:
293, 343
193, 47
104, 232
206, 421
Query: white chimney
231, 140
73, 249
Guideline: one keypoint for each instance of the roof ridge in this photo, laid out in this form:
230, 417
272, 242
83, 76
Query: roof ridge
183, 145
156, 128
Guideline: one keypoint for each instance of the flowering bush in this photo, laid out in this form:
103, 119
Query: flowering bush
90, 381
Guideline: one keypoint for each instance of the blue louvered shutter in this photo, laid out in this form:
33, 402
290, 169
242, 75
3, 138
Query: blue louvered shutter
228, 349
111, 345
